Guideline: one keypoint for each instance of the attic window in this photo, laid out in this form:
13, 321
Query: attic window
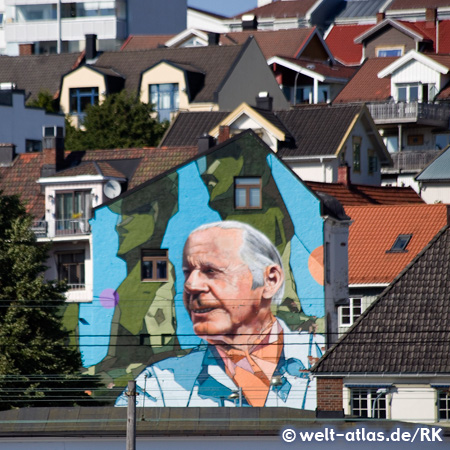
400, 243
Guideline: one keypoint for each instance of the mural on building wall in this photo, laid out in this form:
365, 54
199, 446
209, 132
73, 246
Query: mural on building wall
220, 316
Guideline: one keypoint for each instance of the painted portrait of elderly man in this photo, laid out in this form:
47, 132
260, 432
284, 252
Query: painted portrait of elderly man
247, 357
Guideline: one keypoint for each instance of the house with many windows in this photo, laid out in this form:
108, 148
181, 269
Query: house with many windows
394, 363
178, 79
315, 141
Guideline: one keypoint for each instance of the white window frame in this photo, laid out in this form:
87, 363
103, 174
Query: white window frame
445, 393
353, 315
377, 399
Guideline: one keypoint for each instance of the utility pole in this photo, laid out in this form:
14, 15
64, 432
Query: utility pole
131, 416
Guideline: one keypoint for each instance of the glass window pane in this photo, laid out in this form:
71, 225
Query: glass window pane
413, 93
255, 197
402, 94
247, 181
241, 198
161, 270
147, 270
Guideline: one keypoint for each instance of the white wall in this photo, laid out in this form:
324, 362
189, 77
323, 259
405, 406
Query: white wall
435, 193
19, 123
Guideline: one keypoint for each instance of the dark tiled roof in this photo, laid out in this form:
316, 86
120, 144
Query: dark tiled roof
365, 86
361, 194
37, 72
370, 240
90, 168
213, 61
189, 126
407, 329
21, 179
135, 42
317, 130
283, 9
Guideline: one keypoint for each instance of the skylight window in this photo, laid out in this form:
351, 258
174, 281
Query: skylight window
401, 243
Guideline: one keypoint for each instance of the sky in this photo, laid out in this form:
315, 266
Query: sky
228, 8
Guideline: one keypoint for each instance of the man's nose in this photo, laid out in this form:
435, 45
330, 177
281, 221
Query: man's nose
195, 282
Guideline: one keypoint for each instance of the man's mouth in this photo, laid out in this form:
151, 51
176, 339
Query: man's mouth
202, 310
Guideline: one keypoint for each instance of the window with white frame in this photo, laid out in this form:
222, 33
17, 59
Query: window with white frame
165, 99
369, 402
72, 212
71, 268
391, 51
348, 314
443, 404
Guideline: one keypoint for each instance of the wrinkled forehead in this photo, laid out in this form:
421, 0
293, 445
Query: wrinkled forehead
214, 241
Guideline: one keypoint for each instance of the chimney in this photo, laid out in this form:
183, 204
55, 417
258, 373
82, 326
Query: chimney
7, 154
249, 22
91, 46
264, 101
26, 49
380, 17
213, 38
330, 399
53, 151
205, 142
224, 133
344, 175
430, 15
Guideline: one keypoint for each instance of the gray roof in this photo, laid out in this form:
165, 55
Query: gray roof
37, 73
310, 130
317, 130
214, 61
407, 329
438, 169
359, 8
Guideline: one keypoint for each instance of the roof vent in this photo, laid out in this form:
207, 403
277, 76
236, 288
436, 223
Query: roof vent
311, 66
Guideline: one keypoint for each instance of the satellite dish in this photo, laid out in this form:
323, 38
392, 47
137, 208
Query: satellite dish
112, 189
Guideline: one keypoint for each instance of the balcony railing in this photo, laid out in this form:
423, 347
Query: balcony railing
411, 160
64, 227
410, 112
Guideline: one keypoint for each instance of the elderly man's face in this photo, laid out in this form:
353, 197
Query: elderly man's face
218, 293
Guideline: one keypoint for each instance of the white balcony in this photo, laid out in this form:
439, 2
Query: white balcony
401, 112
65, 228
71, 29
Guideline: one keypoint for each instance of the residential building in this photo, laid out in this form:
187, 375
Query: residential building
407, 97
60, 191
299, 58
137, 318
313, 140
394, 362
60, 27
378, 253
35, 123
434, 179
178, 79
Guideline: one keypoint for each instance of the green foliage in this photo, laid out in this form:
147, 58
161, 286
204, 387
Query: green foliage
121, 121
45, 100
37, 366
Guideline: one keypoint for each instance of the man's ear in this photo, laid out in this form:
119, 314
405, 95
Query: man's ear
273, 279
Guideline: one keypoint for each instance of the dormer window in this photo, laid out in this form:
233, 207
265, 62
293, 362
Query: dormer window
81, 98
400, 243
165, 99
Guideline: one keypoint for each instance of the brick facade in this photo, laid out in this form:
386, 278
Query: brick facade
329, 394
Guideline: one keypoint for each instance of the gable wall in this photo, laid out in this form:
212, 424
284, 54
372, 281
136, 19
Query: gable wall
314, 50
389, 37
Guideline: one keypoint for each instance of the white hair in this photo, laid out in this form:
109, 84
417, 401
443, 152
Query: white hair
257, 251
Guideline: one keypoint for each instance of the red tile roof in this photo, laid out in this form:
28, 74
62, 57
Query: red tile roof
323, 68
360, 194
272, 43
340, 41
140, 42
374, 231
21, 179
417, 4
283, 9
365, 86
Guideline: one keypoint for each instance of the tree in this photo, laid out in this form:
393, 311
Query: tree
120, 121
45, 100
37, 366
